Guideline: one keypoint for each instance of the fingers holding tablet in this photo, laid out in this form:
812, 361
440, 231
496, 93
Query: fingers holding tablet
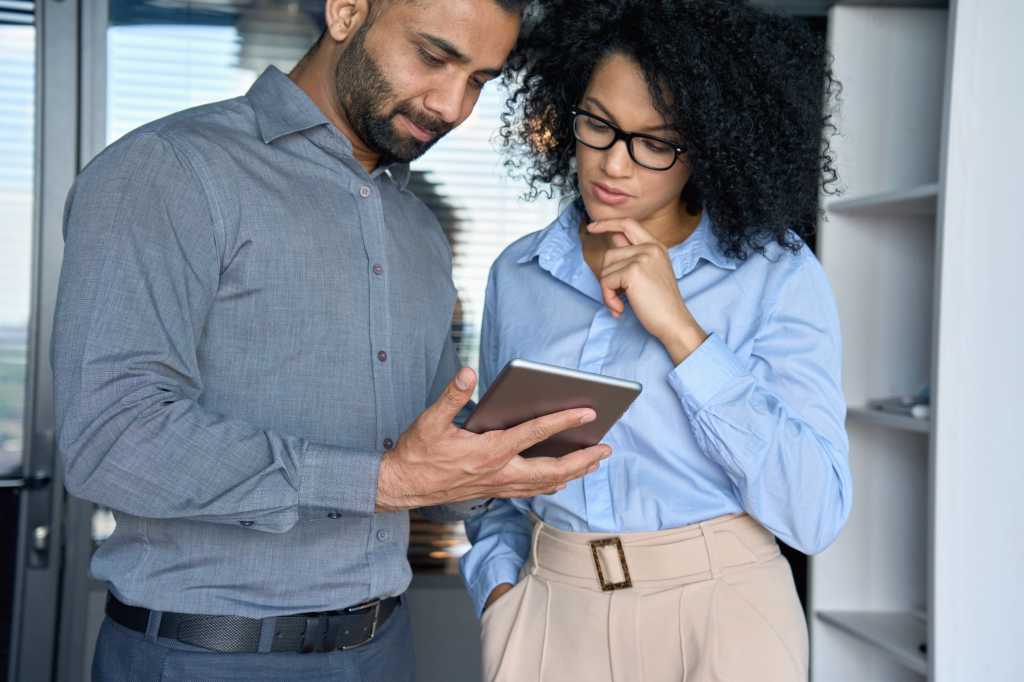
525, 391
550, 474
537, 428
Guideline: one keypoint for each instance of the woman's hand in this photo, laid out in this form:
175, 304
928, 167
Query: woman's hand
496, 594
638, 265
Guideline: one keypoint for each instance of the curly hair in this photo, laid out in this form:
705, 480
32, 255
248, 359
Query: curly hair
750, 92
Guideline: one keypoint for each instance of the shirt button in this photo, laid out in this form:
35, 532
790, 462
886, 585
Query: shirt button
364, 191
383, 535
382, 356
334, 515
388, 443
246, 523
378, 269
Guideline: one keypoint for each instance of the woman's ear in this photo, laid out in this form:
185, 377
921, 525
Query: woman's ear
344, 17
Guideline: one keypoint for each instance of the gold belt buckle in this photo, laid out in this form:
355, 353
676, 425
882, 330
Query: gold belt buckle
605, 585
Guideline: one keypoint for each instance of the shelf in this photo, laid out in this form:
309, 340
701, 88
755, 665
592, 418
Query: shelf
898, 633
919, 201
889, 420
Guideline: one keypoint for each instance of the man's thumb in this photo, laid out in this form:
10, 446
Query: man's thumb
464, 379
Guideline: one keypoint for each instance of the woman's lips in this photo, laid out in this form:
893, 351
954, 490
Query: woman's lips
608, 195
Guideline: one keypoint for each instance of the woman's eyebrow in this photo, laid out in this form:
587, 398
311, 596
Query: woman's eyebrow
611, 117
607, 114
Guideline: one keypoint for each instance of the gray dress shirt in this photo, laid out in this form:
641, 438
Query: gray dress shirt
246, 321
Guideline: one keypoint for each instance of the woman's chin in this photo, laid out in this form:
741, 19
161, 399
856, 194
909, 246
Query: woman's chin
600, 211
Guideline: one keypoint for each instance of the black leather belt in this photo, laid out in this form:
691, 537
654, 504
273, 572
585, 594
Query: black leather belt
305, 633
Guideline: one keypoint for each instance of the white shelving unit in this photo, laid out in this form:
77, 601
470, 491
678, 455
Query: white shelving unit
924, 255
866, 415
915, 201
869, 592
900, 634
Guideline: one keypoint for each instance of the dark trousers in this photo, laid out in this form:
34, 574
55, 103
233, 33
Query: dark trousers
123, 655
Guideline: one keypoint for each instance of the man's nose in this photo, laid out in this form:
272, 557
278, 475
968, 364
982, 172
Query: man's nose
446, 100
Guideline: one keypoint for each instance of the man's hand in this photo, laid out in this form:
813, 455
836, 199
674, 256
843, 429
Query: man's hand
497, 594
435, 462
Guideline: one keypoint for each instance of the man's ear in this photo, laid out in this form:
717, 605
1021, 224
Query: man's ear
344, 17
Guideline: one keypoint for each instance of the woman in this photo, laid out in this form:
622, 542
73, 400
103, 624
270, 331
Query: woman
690, 133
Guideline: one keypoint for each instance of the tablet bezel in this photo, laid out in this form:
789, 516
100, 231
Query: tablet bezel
524, 390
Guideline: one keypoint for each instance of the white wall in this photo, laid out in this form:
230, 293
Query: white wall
978, 445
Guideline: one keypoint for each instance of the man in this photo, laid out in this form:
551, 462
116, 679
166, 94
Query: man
252, 359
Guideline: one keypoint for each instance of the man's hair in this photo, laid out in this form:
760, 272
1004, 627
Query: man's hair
516, 7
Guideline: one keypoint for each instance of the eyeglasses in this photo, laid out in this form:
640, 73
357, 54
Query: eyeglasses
645, 150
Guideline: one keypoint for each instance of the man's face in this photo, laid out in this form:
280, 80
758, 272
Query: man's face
414, 74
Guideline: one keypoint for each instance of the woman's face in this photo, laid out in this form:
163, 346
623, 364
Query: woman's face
611, 183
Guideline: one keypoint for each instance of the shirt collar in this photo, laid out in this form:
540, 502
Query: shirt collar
701, 245
554, 243
283, 108
551, 244
399, 172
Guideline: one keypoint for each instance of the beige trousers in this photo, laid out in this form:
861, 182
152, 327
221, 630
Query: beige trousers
711, 602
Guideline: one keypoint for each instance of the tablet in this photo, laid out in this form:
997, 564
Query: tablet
525, 390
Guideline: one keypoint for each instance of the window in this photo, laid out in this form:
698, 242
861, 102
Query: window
17, 177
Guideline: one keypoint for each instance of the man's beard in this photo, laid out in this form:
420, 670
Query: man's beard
364, 94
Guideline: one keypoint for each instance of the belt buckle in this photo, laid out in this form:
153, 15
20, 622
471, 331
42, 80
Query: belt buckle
375, 605
605, 585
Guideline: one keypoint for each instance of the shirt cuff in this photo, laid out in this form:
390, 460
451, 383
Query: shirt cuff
456, 511
338, 480
468, 509
705, 373
492, 574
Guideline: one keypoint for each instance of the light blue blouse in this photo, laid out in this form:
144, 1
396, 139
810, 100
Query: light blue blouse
752, 421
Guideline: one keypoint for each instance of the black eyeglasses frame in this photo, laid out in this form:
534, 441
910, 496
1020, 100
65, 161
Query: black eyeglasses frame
620, 134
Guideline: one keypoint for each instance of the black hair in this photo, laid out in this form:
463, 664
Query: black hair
513, 6
750, 92
377, 6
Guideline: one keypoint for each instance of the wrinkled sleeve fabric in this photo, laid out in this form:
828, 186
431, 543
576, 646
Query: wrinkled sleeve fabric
776, 422
142, 260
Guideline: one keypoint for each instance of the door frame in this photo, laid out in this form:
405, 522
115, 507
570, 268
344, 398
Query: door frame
39, 557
